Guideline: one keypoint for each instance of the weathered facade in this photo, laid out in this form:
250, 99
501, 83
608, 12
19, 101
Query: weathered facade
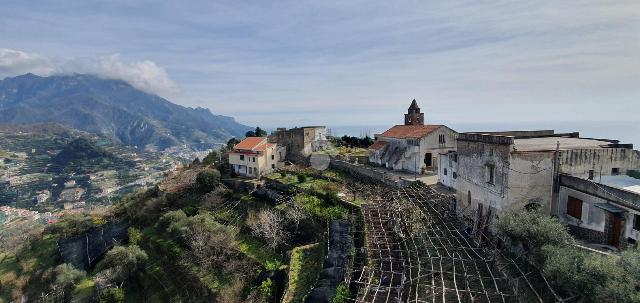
256, 157
494, 173
413, 147
605, 210
300, 142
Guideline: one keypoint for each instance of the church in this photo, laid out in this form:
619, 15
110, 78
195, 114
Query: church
414, 146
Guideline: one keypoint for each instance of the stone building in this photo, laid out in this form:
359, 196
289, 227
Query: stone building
300, 142
255, 157
414, 146
493, 173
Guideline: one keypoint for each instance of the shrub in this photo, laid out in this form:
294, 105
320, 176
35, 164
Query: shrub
67, 275
266, 288
342, 294
112, 295
207, 180
122, 261
302, 178
534, 229
135, 235
71, 225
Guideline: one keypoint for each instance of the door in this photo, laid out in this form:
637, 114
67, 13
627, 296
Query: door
616, 231
428, 161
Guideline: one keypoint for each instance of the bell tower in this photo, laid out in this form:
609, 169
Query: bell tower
413, 115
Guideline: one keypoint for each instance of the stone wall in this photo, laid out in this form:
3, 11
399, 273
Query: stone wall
84, 250
334, 269
367, 172
589, 235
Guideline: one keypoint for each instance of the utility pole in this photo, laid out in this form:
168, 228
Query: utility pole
415, 172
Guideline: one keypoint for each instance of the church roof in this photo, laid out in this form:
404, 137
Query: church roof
410, 131
378, 145
414, 104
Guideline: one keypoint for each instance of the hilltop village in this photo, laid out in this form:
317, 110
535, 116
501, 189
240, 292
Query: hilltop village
591, 184
419, 212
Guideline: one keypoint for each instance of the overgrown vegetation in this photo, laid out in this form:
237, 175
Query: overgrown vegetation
304, 268
595, 277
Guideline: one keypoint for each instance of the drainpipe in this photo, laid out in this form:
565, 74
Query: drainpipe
555, 190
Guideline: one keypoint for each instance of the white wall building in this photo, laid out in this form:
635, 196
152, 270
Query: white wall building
255, 157
412, 147
513, 171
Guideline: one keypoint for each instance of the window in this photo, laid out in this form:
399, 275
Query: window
636, 222
468, 198
615, 171
491, 173
241, 157
445, 171
455, 176
254, 159
591, 174
273, 157
455, 157
574, 207
273, 166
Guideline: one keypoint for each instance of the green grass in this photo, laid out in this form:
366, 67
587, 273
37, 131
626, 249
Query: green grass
39, 257
84, 289
304, 268
259, 252
320, 209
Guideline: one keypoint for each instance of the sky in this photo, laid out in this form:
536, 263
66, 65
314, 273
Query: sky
473, 65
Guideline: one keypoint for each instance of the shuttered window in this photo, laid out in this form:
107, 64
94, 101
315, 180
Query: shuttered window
574, 207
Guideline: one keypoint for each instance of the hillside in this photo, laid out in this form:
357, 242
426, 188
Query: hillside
189, 239
36, 161
86, 156
112, 108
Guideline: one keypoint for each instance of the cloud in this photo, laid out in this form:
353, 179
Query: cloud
145, 75
14, 62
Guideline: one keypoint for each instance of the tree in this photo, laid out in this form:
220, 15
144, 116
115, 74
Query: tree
66, 277
112, 295
207, 180
231, 143
121, 262
208, 240
258, 132
211, 158
269, 225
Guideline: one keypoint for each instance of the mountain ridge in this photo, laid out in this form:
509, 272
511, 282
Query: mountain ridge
113, 108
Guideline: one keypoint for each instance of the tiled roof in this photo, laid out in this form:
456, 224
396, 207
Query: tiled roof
378, 145
252, 143
410, 131
263, 147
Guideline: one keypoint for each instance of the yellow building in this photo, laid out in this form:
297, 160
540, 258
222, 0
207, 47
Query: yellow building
255, 157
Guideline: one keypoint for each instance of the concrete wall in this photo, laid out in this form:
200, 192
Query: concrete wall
578, 162
530, 180
590, 193
472, 174
592, 217
447, 162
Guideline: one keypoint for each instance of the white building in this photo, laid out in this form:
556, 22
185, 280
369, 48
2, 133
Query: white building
511, 171
412, 147
255, 157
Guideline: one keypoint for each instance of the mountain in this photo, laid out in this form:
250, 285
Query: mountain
112, 108
85, 156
